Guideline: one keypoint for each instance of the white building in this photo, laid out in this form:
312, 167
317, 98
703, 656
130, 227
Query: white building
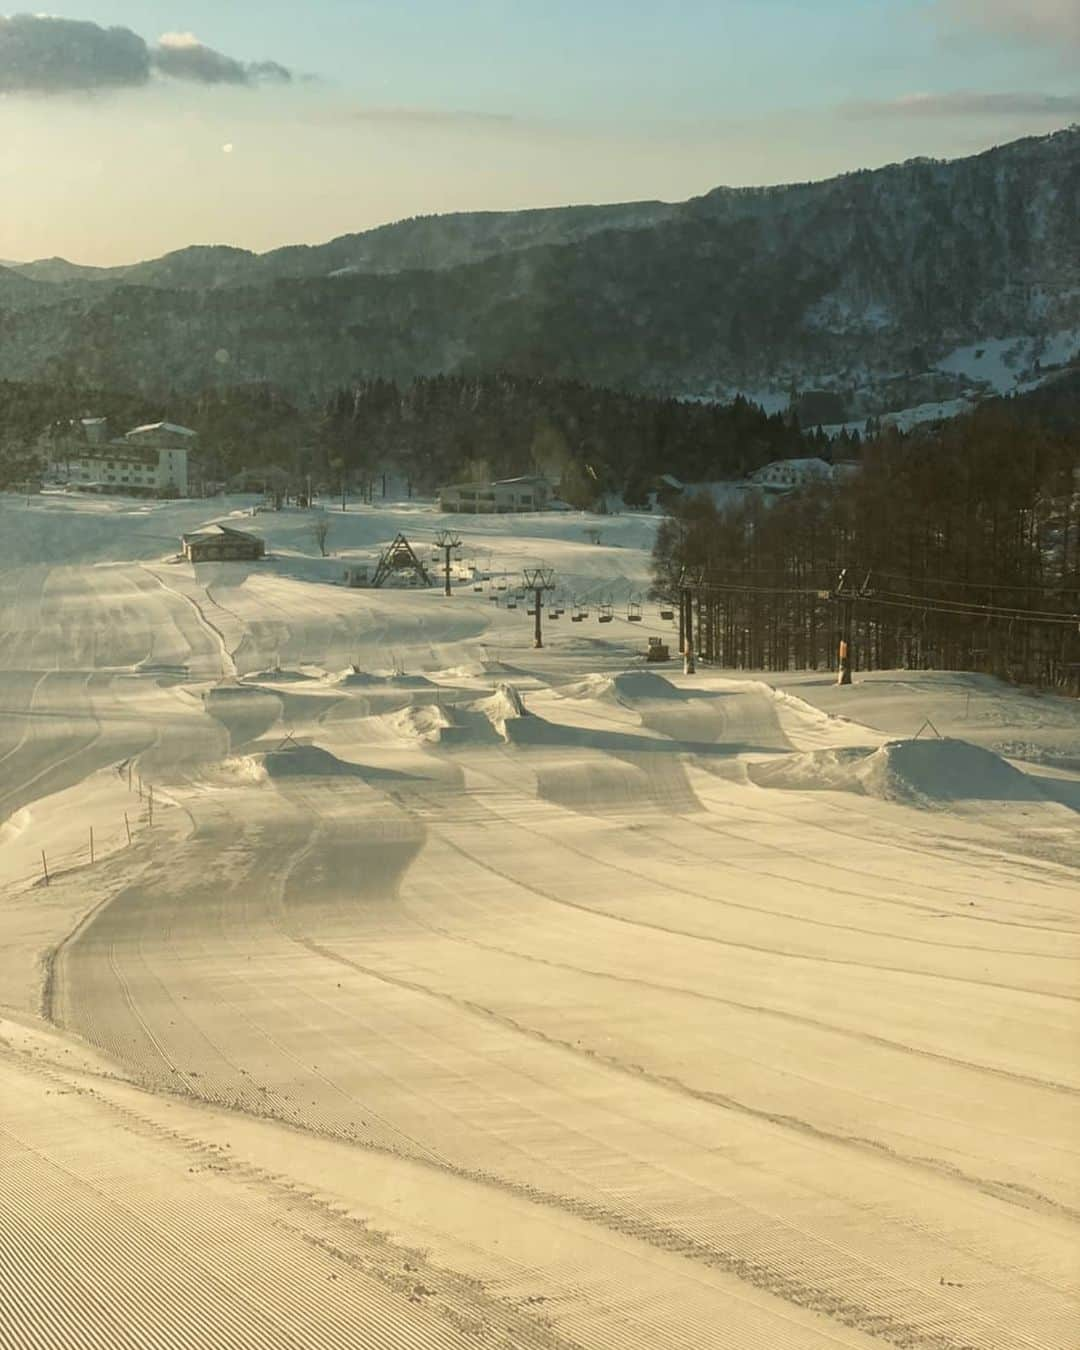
530, 493
172, 443
149, 460
783, 474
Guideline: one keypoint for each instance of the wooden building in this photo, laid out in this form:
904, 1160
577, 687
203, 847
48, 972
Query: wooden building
220, 543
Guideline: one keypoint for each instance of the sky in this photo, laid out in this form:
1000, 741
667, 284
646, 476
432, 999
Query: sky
132, 127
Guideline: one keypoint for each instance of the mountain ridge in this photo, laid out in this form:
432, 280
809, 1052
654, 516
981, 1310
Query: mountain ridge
856, 282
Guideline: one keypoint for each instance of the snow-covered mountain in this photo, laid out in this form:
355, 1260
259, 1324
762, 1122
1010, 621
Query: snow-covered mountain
922, 283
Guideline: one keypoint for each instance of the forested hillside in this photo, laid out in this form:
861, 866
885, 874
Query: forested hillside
955, 547
917, 282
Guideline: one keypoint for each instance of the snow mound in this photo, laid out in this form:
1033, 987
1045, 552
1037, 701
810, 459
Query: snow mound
275, 675
364, 679
628, 688
471, 669
915, 772
290, 761
503, 705
428, 723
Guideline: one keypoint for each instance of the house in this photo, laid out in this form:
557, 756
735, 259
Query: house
148, 461
784, 474
221, 543
528, 493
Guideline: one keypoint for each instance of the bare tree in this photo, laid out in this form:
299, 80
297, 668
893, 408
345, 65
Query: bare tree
321, 530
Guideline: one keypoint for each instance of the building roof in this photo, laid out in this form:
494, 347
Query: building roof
527, 480
219, 531
163, 426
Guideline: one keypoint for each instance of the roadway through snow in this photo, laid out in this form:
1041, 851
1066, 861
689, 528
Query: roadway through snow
483, 1029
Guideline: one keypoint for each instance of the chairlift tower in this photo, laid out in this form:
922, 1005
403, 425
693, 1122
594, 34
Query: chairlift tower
538, 580
447, 540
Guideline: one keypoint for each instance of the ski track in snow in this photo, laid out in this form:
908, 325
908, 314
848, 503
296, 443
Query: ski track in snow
409, 1021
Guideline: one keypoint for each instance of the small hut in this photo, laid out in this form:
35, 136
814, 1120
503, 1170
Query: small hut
221, 543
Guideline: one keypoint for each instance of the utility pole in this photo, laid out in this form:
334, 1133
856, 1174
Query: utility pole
846, 597
538, 580
688, 648
447, 540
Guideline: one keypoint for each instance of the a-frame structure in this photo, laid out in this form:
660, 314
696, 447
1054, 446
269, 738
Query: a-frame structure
399, 557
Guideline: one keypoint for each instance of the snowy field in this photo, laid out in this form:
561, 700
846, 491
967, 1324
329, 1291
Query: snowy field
449, 993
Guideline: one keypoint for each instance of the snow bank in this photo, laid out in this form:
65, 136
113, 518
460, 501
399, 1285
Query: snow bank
915, 772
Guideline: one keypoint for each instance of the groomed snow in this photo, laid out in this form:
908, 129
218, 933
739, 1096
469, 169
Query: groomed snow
452, 993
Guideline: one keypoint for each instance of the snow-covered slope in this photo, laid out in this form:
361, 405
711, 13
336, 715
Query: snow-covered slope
425, 988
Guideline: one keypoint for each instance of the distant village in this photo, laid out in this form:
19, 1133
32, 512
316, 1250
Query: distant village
162, 459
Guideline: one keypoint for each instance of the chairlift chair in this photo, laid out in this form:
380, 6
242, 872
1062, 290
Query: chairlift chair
606, 614
633, 611
667, 613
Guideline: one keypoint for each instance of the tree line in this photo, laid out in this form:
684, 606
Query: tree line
437, 430
594, 440
952, 547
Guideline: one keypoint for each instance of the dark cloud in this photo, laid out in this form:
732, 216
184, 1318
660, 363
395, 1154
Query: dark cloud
968, 103
269, 72
182, 56
40, 54
45, 55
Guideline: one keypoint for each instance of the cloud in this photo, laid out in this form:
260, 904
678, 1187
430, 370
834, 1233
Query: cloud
182, 56
967, 103
40, 54
1034, 21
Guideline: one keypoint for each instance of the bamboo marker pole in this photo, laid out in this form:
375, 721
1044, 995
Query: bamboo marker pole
45, 867
127, 826
91, 845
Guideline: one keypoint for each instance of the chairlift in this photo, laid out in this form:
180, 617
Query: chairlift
511, 602
667, 613
633, 611
606, 614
